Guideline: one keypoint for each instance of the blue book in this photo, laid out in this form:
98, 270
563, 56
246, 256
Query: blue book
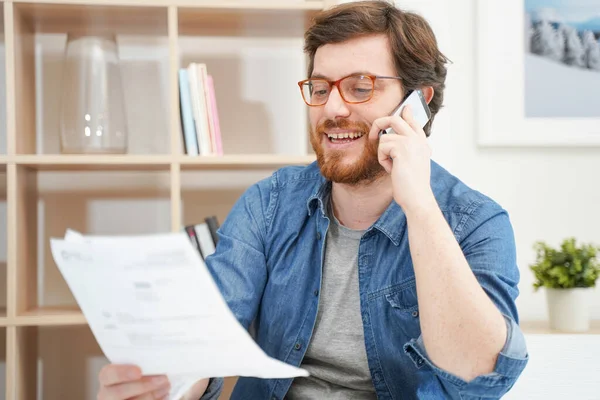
187, 117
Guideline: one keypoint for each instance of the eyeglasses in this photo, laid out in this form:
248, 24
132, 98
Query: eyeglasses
353, 89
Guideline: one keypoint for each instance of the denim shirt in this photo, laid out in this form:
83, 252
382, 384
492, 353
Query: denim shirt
268, 265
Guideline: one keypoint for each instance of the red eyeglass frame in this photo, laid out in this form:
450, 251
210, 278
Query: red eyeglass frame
337, 85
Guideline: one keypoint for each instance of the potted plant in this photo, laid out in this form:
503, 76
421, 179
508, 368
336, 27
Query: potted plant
567, 274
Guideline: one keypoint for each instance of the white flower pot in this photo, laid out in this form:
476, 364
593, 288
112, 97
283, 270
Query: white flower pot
569, 309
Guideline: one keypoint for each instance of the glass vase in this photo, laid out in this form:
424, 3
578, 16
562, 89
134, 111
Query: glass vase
92, 118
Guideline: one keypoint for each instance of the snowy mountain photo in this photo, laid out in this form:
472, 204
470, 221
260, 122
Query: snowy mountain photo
589, 25
562, 64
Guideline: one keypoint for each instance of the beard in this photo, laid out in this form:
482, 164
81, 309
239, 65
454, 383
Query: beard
331, 162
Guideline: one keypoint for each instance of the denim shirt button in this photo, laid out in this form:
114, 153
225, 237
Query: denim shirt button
298, 346
318, 235
316, 292
415, 313
420, 361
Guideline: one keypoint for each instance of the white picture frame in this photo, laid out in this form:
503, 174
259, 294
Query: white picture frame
500, 103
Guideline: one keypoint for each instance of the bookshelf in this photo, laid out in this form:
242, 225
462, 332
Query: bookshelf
47, 345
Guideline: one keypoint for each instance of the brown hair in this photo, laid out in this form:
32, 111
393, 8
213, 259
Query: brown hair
417, 59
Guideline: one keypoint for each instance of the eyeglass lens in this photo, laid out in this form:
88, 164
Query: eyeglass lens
354, 89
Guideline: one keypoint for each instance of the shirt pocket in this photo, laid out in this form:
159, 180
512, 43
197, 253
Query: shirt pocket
404, 309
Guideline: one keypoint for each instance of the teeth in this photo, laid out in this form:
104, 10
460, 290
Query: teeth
344, 135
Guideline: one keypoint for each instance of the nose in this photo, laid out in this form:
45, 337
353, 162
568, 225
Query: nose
336, 106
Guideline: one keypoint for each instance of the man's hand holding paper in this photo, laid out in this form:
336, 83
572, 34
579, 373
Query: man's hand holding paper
151, 302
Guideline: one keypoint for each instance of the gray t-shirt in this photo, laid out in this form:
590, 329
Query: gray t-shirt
336, 357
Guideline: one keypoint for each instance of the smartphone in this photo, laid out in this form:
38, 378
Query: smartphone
420, 109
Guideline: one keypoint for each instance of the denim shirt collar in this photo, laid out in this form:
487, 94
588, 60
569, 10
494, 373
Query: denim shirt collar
391, 223
319, 197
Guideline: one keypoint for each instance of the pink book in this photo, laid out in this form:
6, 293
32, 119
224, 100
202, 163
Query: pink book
214, 116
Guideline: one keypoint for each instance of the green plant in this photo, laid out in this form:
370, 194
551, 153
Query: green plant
571, 266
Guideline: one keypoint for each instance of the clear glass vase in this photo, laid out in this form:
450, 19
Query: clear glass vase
93, 118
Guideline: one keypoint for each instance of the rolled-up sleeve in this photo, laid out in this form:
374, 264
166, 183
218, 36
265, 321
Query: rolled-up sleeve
509, 365
487, 241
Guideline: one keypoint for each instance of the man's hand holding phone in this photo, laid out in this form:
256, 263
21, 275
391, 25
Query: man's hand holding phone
406, 155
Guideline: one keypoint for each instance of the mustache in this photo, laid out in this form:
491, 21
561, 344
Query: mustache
343, 124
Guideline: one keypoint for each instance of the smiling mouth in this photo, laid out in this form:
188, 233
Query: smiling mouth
344, 137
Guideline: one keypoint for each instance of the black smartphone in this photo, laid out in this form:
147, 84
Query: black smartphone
420, 109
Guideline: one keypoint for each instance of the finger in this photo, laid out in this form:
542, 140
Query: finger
158, 394
390, 138
399, 126
104, 395
393, 144
380, 124
113, 374
146, 385
409, 117
388, 149
386, 152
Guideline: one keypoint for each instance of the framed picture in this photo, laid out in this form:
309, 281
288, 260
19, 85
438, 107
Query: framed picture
538, 65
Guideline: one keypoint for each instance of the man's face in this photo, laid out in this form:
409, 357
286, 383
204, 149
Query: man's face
352, 160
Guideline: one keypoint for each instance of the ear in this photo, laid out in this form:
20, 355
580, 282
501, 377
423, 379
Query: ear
428, 93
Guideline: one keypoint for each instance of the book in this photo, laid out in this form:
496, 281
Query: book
188, 128
213, 117
207, 245
191, 232
203, 235
213, 226
199, 112
199, 107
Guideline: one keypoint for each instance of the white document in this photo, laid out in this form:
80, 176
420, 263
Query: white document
150, 301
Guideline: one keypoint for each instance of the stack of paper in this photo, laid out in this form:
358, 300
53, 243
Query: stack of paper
150, 301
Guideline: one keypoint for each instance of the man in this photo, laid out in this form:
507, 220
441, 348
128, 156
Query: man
374, 269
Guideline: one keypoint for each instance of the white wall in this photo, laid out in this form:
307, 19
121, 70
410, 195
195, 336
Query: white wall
549, 193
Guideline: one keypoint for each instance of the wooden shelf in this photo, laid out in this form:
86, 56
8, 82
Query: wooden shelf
50, 317
242, 162
145, 3
543, 327
101, 17
242, 5
206, 4
94, 162
130, 162
151, 17
246, 18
